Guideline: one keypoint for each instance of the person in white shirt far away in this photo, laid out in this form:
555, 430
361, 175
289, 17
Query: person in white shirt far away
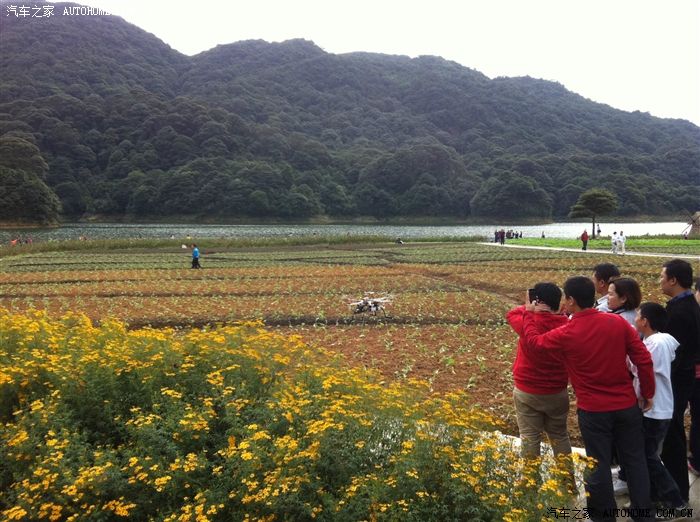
621, 240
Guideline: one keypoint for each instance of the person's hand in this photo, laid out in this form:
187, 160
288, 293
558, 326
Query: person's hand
529, 306
541, 307
645, 404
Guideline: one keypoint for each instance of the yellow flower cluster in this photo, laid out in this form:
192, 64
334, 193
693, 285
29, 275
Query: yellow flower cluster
237, 423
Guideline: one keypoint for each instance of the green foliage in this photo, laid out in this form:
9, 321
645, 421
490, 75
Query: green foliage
593, 203
24, 198
662, 245
513, 196
317, 133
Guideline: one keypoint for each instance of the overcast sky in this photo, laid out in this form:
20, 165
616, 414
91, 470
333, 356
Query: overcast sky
631, 55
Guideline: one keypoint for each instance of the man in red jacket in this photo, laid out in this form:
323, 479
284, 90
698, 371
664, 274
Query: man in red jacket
595, 347
540, 394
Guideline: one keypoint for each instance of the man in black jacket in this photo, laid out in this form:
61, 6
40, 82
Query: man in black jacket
683, 324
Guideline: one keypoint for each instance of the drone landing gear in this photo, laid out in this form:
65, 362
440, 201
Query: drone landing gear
369, 312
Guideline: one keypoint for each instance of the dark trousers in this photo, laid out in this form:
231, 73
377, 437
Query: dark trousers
585, 243
694, 442
623, 428
663, 487
195, 262
674, 453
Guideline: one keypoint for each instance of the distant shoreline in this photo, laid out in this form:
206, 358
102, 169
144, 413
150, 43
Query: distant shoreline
426, 221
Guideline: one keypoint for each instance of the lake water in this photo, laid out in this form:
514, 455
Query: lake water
406, 232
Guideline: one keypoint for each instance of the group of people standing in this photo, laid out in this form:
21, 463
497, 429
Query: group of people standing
617, 241
19, 242
500, 236
634, 368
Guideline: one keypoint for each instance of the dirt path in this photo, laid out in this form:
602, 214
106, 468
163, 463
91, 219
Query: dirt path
592, 251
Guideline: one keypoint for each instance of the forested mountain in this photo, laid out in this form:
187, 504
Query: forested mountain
115, 122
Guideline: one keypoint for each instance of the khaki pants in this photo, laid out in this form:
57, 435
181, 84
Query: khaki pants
538, 413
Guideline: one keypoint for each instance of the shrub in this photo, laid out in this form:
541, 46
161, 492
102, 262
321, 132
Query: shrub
238, 423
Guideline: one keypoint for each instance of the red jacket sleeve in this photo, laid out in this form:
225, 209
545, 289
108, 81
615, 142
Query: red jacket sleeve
641, 358
554, 339
515, 319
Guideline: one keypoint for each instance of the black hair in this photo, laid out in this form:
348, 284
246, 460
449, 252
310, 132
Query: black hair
655, 314
629, 288
681, 271
606, 271
549, 294
697, 284
582, 289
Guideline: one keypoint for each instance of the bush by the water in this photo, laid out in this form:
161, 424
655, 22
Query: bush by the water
238, 423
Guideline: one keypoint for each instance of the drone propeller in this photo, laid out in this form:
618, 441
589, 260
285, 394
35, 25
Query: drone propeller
368, 298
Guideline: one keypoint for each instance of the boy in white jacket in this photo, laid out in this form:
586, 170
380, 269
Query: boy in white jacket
621, 240
651, 318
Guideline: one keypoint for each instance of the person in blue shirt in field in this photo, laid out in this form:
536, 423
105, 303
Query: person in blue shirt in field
195, 256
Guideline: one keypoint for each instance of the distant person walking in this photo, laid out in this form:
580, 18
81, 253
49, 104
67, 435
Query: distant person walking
502, 236
598, 230
613, 242
584, 239
195, 257
621, 240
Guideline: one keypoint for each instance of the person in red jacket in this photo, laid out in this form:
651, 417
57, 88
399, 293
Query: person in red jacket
584, 239
540, 393
595, 347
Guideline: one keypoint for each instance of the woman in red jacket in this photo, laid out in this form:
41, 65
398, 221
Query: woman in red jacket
540, 392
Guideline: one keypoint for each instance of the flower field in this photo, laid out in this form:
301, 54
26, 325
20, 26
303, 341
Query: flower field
276, 406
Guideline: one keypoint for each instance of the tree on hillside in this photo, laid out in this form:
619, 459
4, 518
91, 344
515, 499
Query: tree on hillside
24, 198
510, 195
592, 203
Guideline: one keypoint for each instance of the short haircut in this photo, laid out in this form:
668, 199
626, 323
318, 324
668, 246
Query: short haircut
655, 314
629, 288
606, 271
681, 271
549, 294
582, 289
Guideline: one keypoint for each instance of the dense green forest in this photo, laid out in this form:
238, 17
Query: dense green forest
107, 119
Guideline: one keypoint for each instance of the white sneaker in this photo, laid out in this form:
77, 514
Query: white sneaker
620, 487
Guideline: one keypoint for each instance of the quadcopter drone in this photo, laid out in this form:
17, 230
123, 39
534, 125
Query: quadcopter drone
369, 305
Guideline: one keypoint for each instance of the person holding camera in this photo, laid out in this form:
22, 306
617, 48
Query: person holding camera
540, 393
